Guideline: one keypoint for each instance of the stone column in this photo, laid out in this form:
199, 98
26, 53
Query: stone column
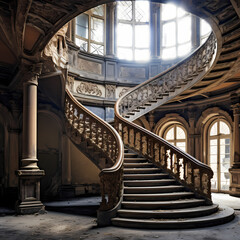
29, 173
235, 169
191, 140
154, 30
110, 29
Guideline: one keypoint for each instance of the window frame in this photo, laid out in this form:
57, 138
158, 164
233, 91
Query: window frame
133, 24
89, 40
218, 137
177, 45
175, 140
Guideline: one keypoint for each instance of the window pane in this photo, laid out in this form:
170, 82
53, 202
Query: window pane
214, 179
96, 49
124, 10
125, 53
180, 133
213, 142
213, 130
168, 11
142, 54
184, 30
142, 36
213, 159
224, 129
142, 11
82, 44
170, 134
184, 49
124, 36
213, 149
180, 12
181, 145
82, 25
169, 34
169, 53
97, 29
98, 10
205, 27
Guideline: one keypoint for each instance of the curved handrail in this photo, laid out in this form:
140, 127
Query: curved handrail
189, 171
170, 83
86, 126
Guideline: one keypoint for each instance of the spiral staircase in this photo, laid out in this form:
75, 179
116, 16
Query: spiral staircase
153, 184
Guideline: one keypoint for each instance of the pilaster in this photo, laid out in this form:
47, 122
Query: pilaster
235, 169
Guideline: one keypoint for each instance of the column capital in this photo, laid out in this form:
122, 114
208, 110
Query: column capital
236, 108
112, 5
31, 72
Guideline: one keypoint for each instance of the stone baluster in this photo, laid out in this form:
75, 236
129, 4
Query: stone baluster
29, 173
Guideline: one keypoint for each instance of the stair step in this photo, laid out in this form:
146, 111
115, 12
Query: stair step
145, 176
141, 170
129, 154
225, 215
174, 204
157, 196
138, 165
153, 189
134, 160
169, 214
144, 183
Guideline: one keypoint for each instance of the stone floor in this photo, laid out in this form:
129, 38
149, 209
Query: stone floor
76, 219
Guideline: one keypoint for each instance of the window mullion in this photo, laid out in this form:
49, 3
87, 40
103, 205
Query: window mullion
89, 32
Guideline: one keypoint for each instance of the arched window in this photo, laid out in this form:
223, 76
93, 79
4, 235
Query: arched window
219, 154
176, 31
133, 37
176, 135
90, 30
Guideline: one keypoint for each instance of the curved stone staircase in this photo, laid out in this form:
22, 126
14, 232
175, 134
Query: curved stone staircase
157, 185
165, 187
153, 199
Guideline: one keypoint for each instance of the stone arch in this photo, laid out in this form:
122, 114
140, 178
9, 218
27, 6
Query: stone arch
169, 119
202, 126
164, 123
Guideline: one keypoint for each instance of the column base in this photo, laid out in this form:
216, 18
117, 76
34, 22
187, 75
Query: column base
234, 189
29, 192
30, 207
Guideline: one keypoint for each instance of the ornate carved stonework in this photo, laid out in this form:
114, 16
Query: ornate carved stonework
110, 91
56, 49
124, 90
70, 82
89, 88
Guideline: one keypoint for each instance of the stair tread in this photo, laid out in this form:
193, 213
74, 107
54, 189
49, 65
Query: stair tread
155, 174
225, 211
158, 194
143, 169
149, 181
177, 210
155, 187
166, 202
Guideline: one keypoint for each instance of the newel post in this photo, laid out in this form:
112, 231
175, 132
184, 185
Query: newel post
29, 173
235, 169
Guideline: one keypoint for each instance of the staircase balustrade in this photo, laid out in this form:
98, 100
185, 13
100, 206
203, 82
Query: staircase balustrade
156, 91
165, 86
84, 126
